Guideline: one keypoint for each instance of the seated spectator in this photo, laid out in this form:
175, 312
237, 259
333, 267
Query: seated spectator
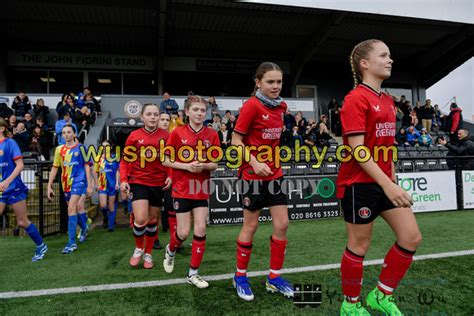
216, 124
21, 136
168, 105
425, 138
89, 102
67, 120
401, 138
413, 118
413, 136
80, 101
41, 142
11, 123
5, 111
62, 106
21, 104
289, 120
224, 136
231, 123
300, 122
82, 118
89, 96
295, 136
29, 123
322, 136
41, 110
323, 119
226, 118
310, 133
40, 122
463, 147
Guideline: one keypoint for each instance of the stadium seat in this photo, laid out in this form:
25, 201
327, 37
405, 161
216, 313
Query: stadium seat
330, 168
407, 166
421, 165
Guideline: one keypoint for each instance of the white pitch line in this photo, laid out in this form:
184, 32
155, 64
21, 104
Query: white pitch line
219, 277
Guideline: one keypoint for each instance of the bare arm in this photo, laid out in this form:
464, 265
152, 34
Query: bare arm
260, 168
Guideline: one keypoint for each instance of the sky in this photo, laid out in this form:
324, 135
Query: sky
460, 84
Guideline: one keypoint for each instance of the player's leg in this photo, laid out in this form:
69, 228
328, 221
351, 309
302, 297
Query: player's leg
19, 208
198, 246
71, 245
103, 208
112, 211
243, 253
82, 218
140, 212
151, 233
278, 242
398, 259
183, 221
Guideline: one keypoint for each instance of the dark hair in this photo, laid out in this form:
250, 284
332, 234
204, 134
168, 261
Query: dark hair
3, 123
454, 105
359, 52
68, 125
262, 69
165, 113
147, 105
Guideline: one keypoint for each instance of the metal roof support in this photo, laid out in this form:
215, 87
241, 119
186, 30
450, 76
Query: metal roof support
160, 58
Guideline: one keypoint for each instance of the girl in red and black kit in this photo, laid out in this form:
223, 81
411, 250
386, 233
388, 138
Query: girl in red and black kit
368, 189
191, 180
261, 123
145, 183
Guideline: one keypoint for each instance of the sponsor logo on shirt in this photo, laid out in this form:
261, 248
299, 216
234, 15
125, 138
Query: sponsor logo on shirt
265, 117
184, 141
385, 129
271, 133
140, 141
377, 108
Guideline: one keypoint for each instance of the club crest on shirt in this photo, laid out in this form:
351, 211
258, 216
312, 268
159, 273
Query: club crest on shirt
76, 154
265, 117
207, 143
364, 212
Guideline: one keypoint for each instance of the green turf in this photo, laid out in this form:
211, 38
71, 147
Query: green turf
104, 259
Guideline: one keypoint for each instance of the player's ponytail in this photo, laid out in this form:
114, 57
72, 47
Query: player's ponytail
262, 69
4, 124
359, 52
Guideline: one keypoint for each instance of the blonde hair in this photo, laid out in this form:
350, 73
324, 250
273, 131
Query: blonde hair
360, 51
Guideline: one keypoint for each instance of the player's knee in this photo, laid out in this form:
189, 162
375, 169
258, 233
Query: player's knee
281, 225
251, 226
413, 240
359, 247
183, 233
22, 222
199, 229
140, 221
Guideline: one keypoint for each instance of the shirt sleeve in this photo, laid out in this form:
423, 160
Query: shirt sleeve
15, 151
124, 165
246, 116
57, 158
353, 116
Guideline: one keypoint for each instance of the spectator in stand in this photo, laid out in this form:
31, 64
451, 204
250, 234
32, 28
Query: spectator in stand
29, 123
21, 104
5, 111
39, 121
62, 106
323, 119
296, 136
21, 136
427, 114
216, 124
413, 136
285, 139
401, 138
439, 117
213, 106
406, 109
425, 138
231, 123
322, 136
463, 147
89, 102
168, 105
226, 117
224, 136
45, 138
289, 120
82, 118
41, 110
413, 118
300, 122
70, 105
335, 110
417, 110
67, 120
11, 123
454, 122
88, 93
80, 101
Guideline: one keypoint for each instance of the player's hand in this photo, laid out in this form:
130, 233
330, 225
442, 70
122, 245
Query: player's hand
89, 190
125, 188
397, 195
50, 194
168, 183
262, 169
3, 186
195, 167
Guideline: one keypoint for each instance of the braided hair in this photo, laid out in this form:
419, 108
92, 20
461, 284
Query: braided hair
360, 52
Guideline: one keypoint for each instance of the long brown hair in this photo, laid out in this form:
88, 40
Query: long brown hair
359, 52
261, 70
